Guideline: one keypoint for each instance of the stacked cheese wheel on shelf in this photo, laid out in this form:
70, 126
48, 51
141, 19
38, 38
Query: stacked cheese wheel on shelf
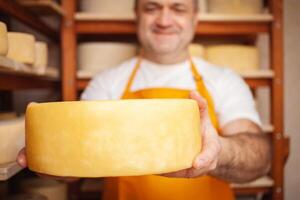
197, 50
112, 138
111, 8
21, 47
240, 7
12, 139
3, 39
94, 57
240, 58
41, 57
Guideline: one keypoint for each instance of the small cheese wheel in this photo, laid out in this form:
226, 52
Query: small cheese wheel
41, 55
108, 7
12, 139
112, 138
111, 54
21, 47
197, 50
3, 39
240, 7
240, 58
51, 189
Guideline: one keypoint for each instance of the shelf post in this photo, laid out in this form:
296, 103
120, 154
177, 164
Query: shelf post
69, 46
277, 60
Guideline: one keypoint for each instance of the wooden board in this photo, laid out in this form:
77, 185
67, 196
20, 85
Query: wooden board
43, 7
9, 170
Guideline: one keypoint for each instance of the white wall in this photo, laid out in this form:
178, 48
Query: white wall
292, 96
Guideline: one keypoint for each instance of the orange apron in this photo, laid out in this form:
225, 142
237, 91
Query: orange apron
162, 188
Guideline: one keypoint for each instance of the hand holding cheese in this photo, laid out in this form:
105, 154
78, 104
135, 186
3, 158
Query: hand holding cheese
207, 161
112, 138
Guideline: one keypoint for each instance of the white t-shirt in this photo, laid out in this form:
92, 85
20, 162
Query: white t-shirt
231, 95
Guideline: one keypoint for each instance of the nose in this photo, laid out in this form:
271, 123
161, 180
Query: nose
165, 18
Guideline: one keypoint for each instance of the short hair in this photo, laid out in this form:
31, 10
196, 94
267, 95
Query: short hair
196, 3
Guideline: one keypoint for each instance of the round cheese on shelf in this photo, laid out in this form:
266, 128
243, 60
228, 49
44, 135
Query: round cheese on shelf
41, 55
97, 56
12, 139
113, 8
240, 58
197, 50
3, 39
21, 47
235, 6
51, 189
112, 138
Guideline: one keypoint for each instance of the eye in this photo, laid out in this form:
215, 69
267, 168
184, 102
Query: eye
151, 7
179, 8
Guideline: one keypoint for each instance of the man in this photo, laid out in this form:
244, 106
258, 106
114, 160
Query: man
233, 147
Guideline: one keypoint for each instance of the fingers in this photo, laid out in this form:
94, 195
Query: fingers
21, 159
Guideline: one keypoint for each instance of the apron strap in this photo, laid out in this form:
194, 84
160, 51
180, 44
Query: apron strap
133, 73
201, 88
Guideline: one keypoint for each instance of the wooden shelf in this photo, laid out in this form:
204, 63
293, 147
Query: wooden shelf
23, 15
89, 23
9, 170
261, 185
16, 76
42, 7
254, 79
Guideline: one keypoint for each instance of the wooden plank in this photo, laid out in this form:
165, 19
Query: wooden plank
69, 46
15, 10
87, 23
43, 7
277, 60
9, 170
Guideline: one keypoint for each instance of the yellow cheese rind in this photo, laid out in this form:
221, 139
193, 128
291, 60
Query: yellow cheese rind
197, 50
21, 47
3, 39
238, 7
112, 138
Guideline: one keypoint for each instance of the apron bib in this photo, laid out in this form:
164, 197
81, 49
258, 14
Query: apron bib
162, 188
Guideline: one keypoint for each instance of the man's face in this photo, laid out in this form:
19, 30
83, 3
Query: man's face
166, 26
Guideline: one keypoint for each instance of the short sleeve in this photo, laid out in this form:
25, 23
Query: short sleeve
235, 100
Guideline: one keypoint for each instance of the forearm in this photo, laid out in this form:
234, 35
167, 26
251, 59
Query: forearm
243, 157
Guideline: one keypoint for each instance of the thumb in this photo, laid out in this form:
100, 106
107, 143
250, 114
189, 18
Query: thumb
202, 104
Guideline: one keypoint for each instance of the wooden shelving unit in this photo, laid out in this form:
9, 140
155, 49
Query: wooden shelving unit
15, 76
42, 7
80, 24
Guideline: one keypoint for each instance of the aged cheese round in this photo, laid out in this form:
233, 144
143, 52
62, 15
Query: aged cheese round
235, 6
197, 50
112, 138
41, 55
97, 56
3, 39
51, 189
12, 138
240, 58
21, 47
108, 7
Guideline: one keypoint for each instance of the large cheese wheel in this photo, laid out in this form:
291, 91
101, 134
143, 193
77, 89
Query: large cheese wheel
112, 138
108, 7
235, 6
51, 189
94, 57
21, 47
3, 39
240, 58
197, 50
41, 55
12, 138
